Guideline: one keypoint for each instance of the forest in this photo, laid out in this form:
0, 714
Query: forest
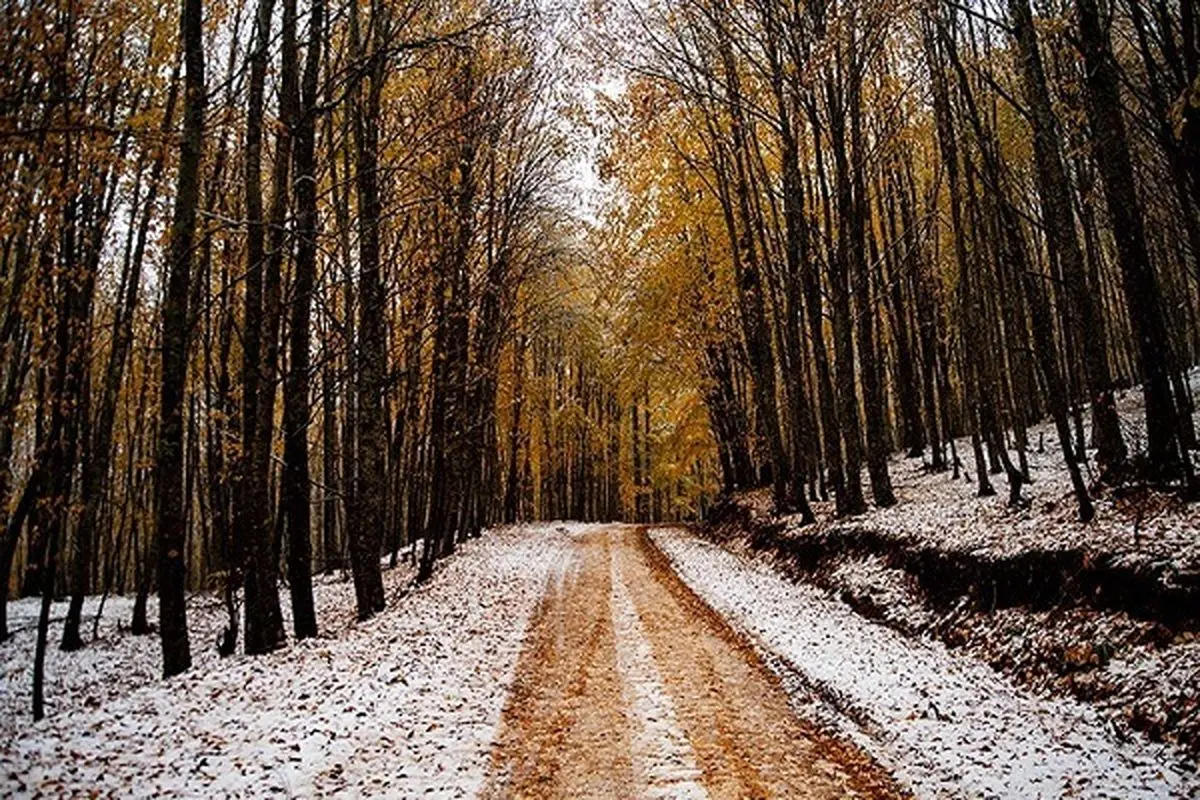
303, 287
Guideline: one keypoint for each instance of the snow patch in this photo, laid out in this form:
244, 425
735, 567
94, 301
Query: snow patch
945, 725
404, 704
892, 593
661, 751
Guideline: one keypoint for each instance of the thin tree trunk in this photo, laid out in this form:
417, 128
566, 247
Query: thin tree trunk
1142, 294
1063, 244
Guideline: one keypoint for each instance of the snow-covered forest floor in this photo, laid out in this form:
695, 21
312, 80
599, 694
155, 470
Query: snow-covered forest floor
563, 660
116, 663
404, 703
945, 724
1107, 612
1139, 525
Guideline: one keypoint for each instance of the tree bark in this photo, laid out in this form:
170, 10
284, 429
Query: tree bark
295, 481
1143, 297
1062, 241
368, 518
168, 487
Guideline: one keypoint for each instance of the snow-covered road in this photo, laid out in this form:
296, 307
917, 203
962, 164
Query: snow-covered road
630, 687
563, 660
946, 725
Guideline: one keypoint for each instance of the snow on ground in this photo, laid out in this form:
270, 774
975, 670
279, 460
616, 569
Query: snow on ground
1142, 674
933, 509
946, 725
404, 704
891, 593
661, 752
116, 663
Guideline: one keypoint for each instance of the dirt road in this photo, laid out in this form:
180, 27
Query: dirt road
629, 686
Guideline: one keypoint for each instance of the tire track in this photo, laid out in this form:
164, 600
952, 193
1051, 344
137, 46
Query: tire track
630, 686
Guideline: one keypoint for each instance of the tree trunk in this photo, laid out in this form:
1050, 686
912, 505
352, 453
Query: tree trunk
368, 518
295, 482
1062, 241
512, 484
1142, 295
168, 487
263, 620
873, 398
